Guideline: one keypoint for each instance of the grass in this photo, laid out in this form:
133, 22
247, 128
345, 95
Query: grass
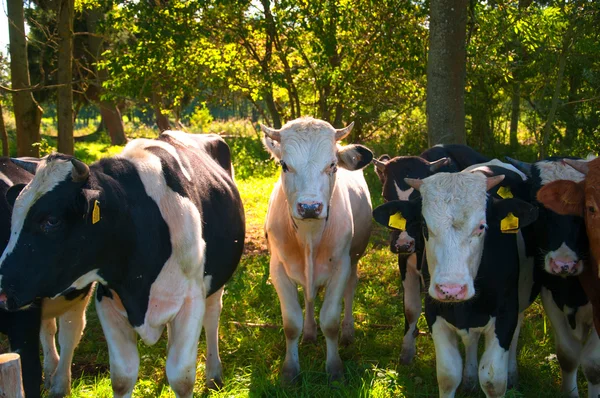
252, 343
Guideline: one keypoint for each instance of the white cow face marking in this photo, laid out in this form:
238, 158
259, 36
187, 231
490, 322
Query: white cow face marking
454, 209
309, 156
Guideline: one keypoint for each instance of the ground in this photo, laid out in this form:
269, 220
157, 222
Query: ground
252, 340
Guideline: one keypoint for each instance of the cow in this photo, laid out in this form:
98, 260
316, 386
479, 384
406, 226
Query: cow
317, 227
407, 242
472, 270
580, 199
560, 245
25, 328
160, 227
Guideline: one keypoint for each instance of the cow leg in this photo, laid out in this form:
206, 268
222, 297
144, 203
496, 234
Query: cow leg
122, 347
70, 329
448, 362
292, 318
493, 369
348, 322
184, 332
568, 348
590, 362
513, 371
309, 334
470, 377
47, 333
214, 370
330, 314
411, 285
23, 330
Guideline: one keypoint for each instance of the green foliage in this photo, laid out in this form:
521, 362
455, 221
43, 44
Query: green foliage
201, 118
250, 158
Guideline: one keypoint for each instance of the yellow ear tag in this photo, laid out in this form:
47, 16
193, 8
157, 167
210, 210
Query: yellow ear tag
397, 221
96, 212
505, 193
510, 224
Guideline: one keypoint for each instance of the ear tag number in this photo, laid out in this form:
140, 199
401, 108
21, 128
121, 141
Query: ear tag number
505, 193
510, 224
397, 221
96, 212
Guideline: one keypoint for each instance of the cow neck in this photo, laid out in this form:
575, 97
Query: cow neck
131, 258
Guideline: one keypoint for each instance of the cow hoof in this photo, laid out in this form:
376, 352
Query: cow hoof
335, 370
513, 380
407, 355
290, 374
347, 338
469, 384
309, 338
214, 384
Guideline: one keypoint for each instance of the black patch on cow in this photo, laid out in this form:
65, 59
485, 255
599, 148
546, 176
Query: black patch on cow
171, 170
462, 156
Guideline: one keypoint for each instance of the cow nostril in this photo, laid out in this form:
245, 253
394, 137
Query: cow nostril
310, 210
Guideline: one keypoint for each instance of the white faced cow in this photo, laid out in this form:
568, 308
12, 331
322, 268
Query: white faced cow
474, 274
160, 227
318, 226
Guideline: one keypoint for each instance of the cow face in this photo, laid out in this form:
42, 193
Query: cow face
309, 155
456, 213
578, 199
50, 249
401, 235
392, 173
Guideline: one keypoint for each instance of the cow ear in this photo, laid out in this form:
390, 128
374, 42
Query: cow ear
13, 192
396, 213
563, 197
380, 166
272, 146
510, 215
354, 157
93, 205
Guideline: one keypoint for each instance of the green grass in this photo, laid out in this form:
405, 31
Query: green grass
252, 343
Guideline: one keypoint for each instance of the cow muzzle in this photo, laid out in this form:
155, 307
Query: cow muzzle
564, 267
402, 243
451, 292
308, 210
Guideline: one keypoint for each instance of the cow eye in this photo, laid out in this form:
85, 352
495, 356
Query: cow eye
480, 229
591, 209
50, 223
284, 166
333, 167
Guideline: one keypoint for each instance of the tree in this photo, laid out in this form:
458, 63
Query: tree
446, 72
28, 114
65, 13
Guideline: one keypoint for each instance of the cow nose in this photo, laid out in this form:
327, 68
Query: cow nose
561, 266
451, 291
309, 209
3, 301
405, 246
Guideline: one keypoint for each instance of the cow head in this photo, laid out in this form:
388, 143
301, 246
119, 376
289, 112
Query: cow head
391, 173
560, 238
455, 213
50, 250
578, 199
309, 156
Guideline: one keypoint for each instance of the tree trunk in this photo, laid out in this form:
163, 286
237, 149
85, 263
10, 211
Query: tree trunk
162, 121
3, 134
562, 61
111, 116
28, 114
571, 108
514, 115
446, 69
64, 108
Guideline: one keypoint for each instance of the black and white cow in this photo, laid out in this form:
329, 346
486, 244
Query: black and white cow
160, 227
23, 327
559, 245
408, 242
473, 272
